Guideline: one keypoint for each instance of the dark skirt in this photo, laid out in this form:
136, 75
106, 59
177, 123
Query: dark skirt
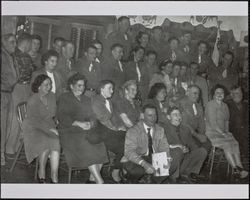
79, 152
36, 141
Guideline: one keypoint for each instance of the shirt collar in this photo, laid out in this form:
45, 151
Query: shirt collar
146, 127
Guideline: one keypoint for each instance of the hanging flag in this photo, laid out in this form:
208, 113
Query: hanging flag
216, 54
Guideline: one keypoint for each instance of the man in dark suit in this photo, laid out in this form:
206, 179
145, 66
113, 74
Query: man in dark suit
186, 46
9, 77
181, 144
193, 116
238, 121
21, 91
113, 68
205, 62
173, 52
66, 62
91, 69
157, 44
99, 51
225, 74
120, 36
49, 61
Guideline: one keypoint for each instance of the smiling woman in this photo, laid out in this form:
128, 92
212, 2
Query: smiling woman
40, 134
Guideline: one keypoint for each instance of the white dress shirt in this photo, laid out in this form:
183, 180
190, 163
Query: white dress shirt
107, 104
195, 109
120, 65
138, 72
53, 85
151, 134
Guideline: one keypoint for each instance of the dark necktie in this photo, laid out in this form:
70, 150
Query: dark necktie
150, 144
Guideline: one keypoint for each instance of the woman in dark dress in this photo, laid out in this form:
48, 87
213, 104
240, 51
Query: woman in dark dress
39, 128
76, 123
128, 106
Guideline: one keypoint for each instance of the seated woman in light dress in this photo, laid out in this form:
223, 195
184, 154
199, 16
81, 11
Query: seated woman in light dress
217, 130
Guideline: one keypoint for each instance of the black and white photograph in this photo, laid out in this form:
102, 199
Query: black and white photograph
114, 98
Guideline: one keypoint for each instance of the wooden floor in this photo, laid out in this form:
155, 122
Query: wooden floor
24, 173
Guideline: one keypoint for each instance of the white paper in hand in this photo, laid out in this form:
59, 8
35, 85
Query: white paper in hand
161, 164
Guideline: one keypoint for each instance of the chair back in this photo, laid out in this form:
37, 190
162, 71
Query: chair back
21, 112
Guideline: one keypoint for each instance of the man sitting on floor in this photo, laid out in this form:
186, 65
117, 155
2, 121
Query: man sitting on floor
141, 141
182, 144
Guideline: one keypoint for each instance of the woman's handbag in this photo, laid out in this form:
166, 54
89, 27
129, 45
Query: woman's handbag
95, 135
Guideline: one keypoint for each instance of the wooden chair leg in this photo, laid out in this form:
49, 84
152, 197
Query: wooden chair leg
212, 162
69, 174
17, 156
36, 169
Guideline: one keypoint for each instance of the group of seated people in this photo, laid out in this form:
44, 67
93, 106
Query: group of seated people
87, 128
148, 103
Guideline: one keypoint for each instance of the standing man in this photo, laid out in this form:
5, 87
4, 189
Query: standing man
185, 46
9, 77
205, 62
141, 141
99, 51
120, 36
113, 68
193, 117
156, 43
173, 53
21, 90
225, 74
57, 44
239, 118
201, 82
65, 62
36, 44
91, 69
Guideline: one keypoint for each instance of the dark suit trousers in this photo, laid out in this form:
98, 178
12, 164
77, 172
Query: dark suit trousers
114, 142
136, 171
193, 161
206, 145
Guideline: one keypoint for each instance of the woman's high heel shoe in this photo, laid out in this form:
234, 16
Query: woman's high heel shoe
51, 181
41, 180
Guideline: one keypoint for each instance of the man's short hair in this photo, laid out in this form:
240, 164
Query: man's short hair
229, 53
193, 86
90, 47
66, 42
96, 42
171, 109
176, 63
173, 38
116, 45
148, 106
59, 39
102, 83
203, 42
151, 52
23, 37
235, 87
193, 63
120, 19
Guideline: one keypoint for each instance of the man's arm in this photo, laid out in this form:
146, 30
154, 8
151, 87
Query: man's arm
131, 146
